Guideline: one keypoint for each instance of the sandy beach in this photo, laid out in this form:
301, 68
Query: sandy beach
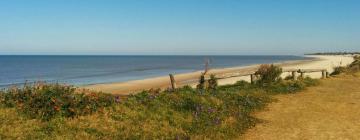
125, 88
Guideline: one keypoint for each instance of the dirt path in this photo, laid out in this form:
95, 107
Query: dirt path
328, 111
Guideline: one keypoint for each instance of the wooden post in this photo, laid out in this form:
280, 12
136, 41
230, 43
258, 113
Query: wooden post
293, 74
323, 74
172, 80
301, 73
327, 74
252, 78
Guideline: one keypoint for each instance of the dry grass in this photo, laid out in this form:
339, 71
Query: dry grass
328, 111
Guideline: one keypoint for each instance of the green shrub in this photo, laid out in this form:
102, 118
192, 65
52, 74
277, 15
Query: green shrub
203, 115
202, 81
46, 101
310, 82
338, 70
289, 77
268, 74
209, 85
212, 83
286, 87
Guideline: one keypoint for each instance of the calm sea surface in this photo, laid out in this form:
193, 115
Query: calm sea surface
82, 70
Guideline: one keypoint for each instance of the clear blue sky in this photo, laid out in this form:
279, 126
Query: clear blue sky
178, 26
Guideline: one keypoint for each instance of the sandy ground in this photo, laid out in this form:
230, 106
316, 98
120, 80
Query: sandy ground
124, 88
328, 111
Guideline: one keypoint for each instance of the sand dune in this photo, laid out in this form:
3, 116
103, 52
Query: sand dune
124, 88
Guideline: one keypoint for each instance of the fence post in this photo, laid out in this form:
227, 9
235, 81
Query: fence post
301, 73
252, 78
327, 74
172, 80
323, 74
293, 74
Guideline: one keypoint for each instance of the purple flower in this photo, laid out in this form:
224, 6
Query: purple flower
211, 110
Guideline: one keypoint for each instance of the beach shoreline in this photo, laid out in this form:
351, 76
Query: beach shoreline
163, 82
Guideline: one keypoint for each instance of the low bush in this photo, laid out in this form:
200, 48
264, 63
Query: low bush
202, 83
209, 85
212, 83
286, 87
338, 70
310, 82
206, 115
46, 101
289, 77
268, 74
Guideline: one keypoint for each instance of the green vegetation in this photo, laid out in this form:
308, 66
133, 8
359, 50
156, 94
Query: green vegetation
45, 101
268, 74
213, 84
53, 111
335, 53
350, 69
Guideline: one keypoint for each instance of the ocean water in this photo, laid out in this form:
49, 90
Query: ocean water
83, 70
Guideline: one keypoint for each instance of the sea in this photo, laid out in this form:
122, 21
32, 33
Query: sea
86, 70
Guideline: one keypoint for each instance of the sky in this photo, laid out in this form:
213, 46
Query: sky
178, 27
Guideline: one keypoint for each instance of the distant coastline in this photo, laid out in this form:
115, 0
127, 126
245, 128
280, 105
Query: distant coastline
334, 53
